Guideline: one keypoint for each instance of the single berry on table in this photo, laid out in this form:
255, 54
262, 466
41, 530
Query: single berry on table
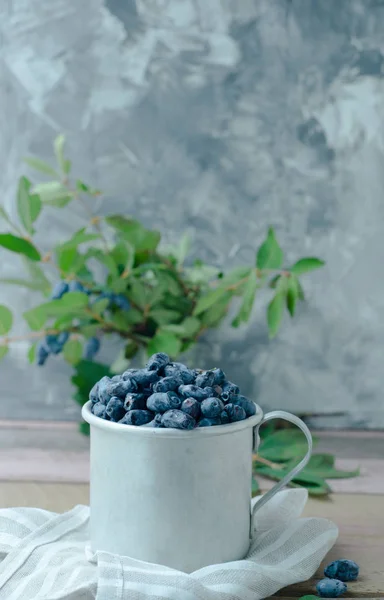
343, 569
331, 588
212, 408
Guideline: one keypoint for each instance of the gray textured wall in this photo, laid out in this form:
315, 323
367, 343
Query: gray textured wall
225, 116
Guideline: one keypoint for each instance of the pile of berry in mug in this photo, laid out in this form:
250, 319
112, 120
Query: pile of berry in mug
169, 394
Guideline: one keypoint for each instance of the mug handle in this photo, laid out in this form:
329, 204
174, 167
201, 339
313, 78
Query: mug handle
281, 414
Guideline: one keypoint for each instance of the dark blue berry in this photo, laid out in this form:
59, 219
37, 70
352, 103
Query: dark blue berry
42, 353
136, 401
191, 407
115, 409
99, 410
205, 379
121, 302
193, 391
229, 391
177, 419
122, 388
167, 384
62, 338
92, 347
212, 391
75, 286
235, 412
105, 296
94, 393
224, 418
103, 390
129, 373
219, 377
53, 344
137, 417
59, 289
343, 569
186, 375
143, 377
205, 422
248, 405
212, 408
160, 402
157, 361
330, 588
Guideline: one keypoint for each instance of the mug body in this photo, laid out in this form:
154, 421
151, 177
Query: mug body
177, 498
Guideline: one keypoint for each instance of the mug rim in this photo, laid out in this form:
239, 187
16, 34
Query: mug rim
198, 432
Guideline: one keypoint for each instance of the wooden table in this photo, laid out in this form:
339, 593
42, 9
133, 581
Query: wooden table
37, 469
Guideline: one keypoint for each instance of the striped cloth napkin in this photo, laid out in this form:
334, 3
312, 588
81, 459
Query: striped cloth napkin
45, 556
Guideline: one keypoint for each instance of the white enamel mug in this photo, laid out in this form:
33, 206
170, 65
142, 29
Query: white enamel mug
177, 498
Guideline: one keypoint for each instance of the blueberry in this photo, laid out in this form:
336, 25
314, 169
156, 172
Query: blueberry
75, 286
208, 422
53, 344
156, 422
62, 338
59, 289
115, 409
205, 379
177, 419
212, 408
219, 377
121, 302
99, 410
248, 405
122, 388
187, 375
175, 400
92, 347
330, 588
229, 391
193, 391
224, 417
42, 353
116, 378
343, 569
235, 412
103, 390
105, 296
129, 373
211, 391
191, 407
136, 401
160, 402
137, 417
167, 384
94, 393
157, 361
143, 377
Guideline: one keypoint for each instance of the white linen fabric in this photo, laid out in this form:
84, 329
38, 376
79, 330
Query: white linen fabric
46, 556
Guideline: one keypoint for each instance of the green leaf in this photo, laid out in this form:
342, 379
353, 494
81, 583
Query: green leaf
270, 255
32, 354
40, 165
315, 485
168, 282
73, 303
32, 285
235, 276
283, 445
3, 351
28, 205
323, 465
300, 295
90, 330
255, 487
164, 316
124, 254
4, 215
37, 276
80, 237
100, 306
309, 597
214, 315
200, 274
84, 428
58, 145
65, 258
305, 265
120, 363
166, 342
73, 351
67, 166
53, 193
125, 319
86, 374
190, 326
275, 313
141, 238
292, 294
248, 300
20, 245
6, 319
104, 259
209, 299
182, 249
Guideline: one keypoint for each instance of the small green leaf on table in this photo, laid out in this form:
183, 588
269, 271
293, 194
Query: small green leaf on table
305, 265
283, 445
19, 245
6, 319
270, 255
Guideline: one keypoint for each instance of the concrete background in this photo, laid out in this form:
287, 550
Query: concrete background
222, 117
